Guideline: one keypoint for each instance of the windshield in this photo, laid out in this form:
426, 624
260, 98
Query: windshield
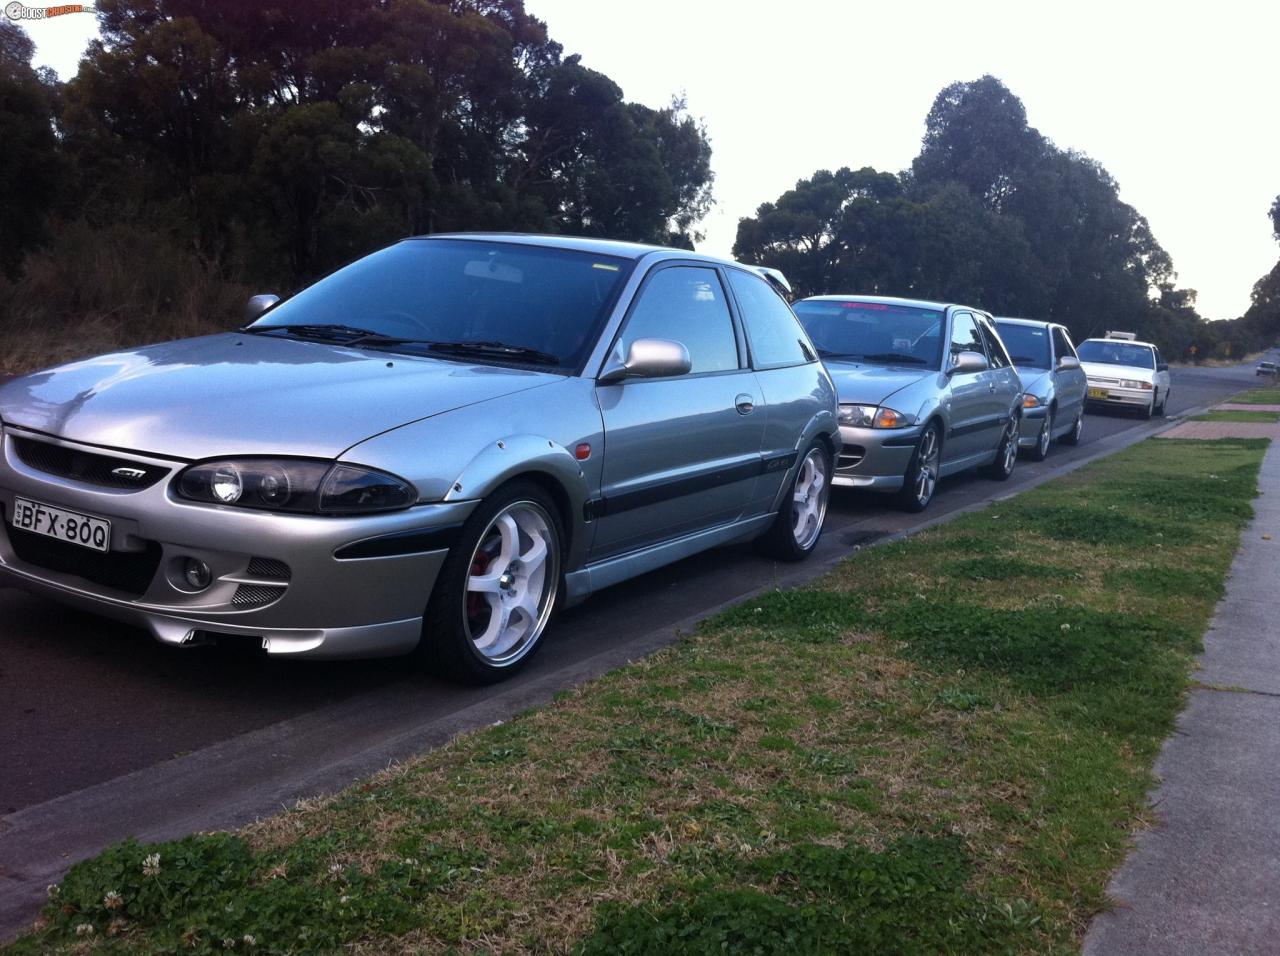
1028, 345
1108, 352
476, 299
874, 332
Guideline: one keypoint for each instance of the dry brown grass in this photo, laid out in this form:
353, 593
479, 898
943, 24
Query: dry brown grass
101, 290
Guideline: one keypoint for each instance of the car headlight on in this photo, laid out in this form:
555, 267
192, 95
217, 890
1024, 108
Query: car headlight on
873, 416
295, 485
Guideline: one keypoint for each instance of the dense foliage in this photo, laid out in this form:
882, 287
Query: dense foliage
274, 141
992, 213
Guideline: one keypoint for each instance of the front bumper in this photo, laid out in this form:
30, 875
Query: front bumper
1120, 397
1031, 422
277, 579
875, 459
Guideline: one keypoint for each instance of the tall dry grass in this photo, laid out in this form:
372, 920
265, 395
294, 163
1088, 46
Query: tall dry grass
95, 290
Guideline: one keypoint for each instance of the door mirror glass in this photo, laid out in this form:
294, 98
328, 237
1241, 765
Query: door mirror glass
1068, 361
649, 358
257, 305
968, 362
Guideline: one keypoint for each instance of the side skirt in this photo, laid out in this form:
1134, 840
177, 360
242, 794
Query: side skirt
579, 584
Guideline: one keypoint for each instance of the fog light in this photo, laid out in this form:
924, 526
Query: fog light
197, 574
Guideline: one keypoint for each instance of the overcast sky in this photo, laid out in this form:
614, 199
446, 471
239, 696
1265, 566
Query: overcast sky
1177, 100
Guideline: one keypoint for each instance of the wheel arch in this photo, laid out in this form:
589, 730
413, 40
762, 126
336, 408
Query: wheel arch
539, 460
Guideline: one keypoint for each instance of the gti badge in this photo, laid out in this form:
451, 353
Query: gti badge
133, 474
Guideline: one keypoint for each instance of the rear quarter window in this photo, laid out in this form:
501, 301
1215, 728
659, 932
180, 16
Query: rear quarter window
775, 336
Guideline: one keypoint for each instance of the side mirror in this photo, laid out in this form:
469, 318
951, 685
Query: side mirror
968, 362
1162, 367
1068, 362
257, 305
648, 358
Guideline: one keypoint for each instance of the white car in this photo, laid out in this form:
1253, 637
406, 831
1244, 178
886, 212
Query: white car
1124, 373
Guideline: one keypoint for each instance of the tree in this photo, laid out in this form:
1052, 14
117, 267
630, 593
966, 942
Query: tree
33, 168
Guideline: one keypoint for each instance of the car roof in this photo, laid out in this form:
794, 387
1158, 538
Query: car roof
890, 300
1149, 345
602, 247
1031, 323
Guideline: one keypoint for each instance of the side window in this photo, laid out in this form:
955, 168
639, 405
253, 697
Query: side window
686, 304
1062, 344
1159, 360
995, 348
775, 336
965, 336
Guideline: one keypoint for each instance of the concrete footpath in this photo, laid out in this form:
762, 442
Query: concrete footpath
1206, 880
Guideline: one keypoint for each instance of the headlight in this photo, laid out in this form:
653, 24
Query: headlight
859, 416
1030, 401
1134, 383
872, 416
296, 485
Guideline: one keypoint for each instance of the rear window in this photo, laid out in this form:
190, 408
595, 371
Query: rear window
875, 332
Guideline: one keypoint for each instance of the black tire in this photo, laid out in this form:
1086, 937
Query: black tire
1164, 404
1073, 437
1044, 439
447, 646
781, 541
915, 494
1002, 467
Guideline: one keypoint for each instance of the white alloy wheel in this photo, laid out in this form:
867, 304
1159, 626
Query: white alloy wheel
809, 499
511, 586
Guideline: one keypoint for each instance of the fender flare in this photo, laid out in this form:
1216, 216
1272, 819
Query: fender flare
515, 455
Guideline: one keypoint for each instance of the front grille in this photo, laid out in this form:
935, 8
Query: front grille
128, 571
269, 568
94, 469
255, 595
850, 455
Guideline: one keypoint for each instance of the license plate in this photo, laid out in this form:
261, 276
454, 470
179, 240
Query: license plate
1099, 393
62, 525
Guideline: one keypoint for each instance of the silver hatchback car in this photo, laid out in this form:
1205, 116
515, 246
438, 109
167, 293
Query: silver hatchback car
1053, 383
926, 390
429, 449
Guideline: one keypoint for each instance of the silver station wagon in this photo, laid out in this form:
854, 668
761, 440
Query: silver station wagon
926, 390
429, 449
1053, 383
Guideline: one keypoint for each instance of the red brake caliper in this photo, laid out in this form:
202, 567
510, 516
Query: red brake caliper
476, 602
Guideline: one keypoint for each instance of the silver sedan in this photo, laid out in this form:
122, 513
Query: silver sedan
429, 449
1053, 383
926, 390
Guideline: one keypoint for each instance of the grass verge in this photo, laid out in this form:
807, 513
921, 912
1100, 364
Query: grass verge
1257, 396
942, 746
1238, 416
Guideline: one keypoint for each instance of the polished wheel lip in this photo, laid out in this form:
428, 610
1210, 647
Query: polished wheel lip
1078, 429
927, 466
809, 499
519, 582
1046, 436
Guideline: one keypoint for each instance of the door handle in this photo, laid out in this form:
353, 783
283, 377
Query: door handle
745, 404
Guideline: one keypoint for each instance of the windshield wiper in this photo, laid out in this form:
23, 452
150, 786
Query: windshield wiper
1027, 360
342, 334
895, 357
495, 350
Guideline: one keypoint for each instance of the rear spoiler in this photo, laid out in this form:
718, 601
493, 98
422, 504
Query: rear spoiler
775, 277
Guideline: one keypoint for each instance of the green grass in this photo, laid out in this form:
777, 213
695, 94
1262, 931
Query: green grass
940, 747
1258, 396
1239, 416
